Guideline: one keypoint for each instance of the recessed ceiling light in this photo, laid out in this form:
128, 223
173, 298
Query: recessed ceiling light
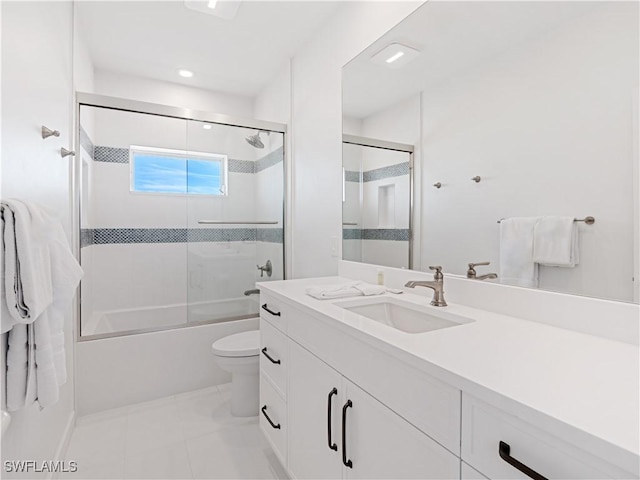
395, 55
206, 126
185, 73
226, 9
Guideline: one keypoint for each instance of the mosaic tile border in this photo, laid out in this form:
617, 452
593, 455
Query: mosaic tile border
111, 236
392, 234
86, 237
270, 235
110, 154
397, 170
241, 166
269, 160
352, 176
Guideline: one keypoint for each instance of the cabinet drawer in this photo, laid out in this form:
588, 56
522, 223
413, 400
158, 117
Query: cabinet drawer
273, 356
274, 312
273, 419
484, 427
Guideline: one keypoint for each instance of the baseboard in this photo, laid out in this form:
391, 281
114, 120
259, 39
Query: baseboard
63, 445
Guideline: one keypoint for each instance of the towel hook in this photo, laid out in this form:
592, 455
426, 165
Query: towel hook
476, 179
437, 185
47, 132
65, 153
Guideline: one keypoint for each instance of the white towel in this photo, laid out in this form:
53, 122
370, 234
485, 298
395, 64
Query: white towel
40, 278
516, 252
353, 289
27, 264
555, 242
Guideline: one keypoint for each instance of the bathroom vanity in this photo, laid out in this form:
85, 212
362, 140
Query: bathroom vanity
347, 392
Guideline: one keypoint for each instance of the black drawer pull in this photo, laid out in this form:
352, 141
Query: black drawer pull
332, 445
264, 307
264, 352
505, 453
264, 412
347, 463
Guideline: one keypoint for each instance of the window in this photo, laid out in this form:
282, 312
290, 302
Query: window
158, 170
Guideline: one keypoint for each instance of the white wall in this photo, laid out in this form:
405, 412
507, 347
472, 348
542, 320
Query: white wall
549, 130
37, 90
173, 94
317, 129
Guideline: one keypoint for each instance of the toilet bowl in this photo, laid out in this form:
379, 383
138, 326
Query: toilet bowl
238, 354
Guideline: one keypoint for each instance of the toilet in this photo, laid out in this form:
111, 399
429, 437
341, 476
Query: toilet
238, 354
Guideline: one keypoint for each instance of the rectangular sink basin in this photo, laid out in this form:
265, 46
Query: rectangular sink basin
404, 316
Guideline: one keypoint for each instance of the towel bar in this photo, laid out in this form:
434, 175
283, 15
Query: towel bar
586, 220
222, 222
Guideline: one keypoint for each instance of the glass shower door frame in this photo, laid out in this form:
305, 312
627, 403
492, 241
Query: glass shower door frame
133, 106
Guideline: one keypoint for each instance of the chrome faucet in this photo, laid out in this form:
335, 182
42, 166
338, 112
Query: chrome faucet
437, 285
253, 291
471, 273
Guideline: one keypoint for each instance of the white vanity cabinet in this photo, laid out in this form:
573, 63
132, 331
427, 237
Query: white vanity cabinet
342, 404
337, 430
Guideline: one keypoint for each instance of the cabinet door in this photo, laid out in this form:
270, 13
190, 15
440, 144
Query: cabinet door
310, 383
381, 444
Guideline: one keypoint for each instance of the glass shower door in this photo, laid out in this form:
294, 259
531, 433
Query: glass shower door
234, 217
132, 205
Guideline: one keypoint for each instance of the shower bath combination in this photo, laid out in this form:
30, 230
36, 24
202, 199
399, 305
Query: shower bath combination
192, 173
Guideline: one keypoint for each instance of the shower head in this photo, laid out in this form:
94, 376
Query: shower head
254, 140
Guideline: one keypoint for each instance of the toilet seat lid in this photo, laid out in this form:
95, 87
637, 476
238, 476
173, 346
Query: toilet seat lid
245, 344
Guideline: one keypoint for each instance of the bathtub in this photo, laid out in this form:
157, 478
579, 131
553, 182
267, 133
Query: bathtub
164, 317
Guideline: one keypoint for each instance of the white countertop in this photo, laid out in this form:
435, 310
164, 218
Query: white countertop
588, 383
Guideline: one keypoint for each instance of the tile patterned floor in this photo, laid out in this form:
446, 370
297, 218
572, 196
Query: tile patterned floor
191, 435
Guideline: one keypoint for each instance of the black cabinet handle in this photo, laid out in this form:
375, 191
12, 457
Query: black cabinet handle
332, 445
347, 463
504, 450
273, 360
264, 412
264, 307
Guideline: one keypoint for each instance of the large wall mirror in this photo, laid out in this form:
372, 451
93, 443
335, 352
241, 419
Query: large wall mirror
521, 114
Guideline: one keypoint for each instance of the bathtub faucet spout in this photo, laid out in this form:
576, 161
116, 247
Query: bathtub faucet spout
255, 291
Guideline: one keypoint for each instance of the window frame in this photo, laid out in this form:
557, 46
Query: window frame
187, 155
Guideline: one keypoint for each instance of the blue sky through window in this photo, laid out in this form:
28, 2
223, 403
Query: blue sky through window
174, 174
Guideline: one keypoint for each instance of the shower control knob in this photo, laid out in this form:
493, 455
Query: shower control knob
267, 267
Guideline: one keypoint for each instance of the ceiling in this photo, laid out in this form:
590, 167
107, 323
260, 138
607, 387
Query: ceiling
156, 38
453, 37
